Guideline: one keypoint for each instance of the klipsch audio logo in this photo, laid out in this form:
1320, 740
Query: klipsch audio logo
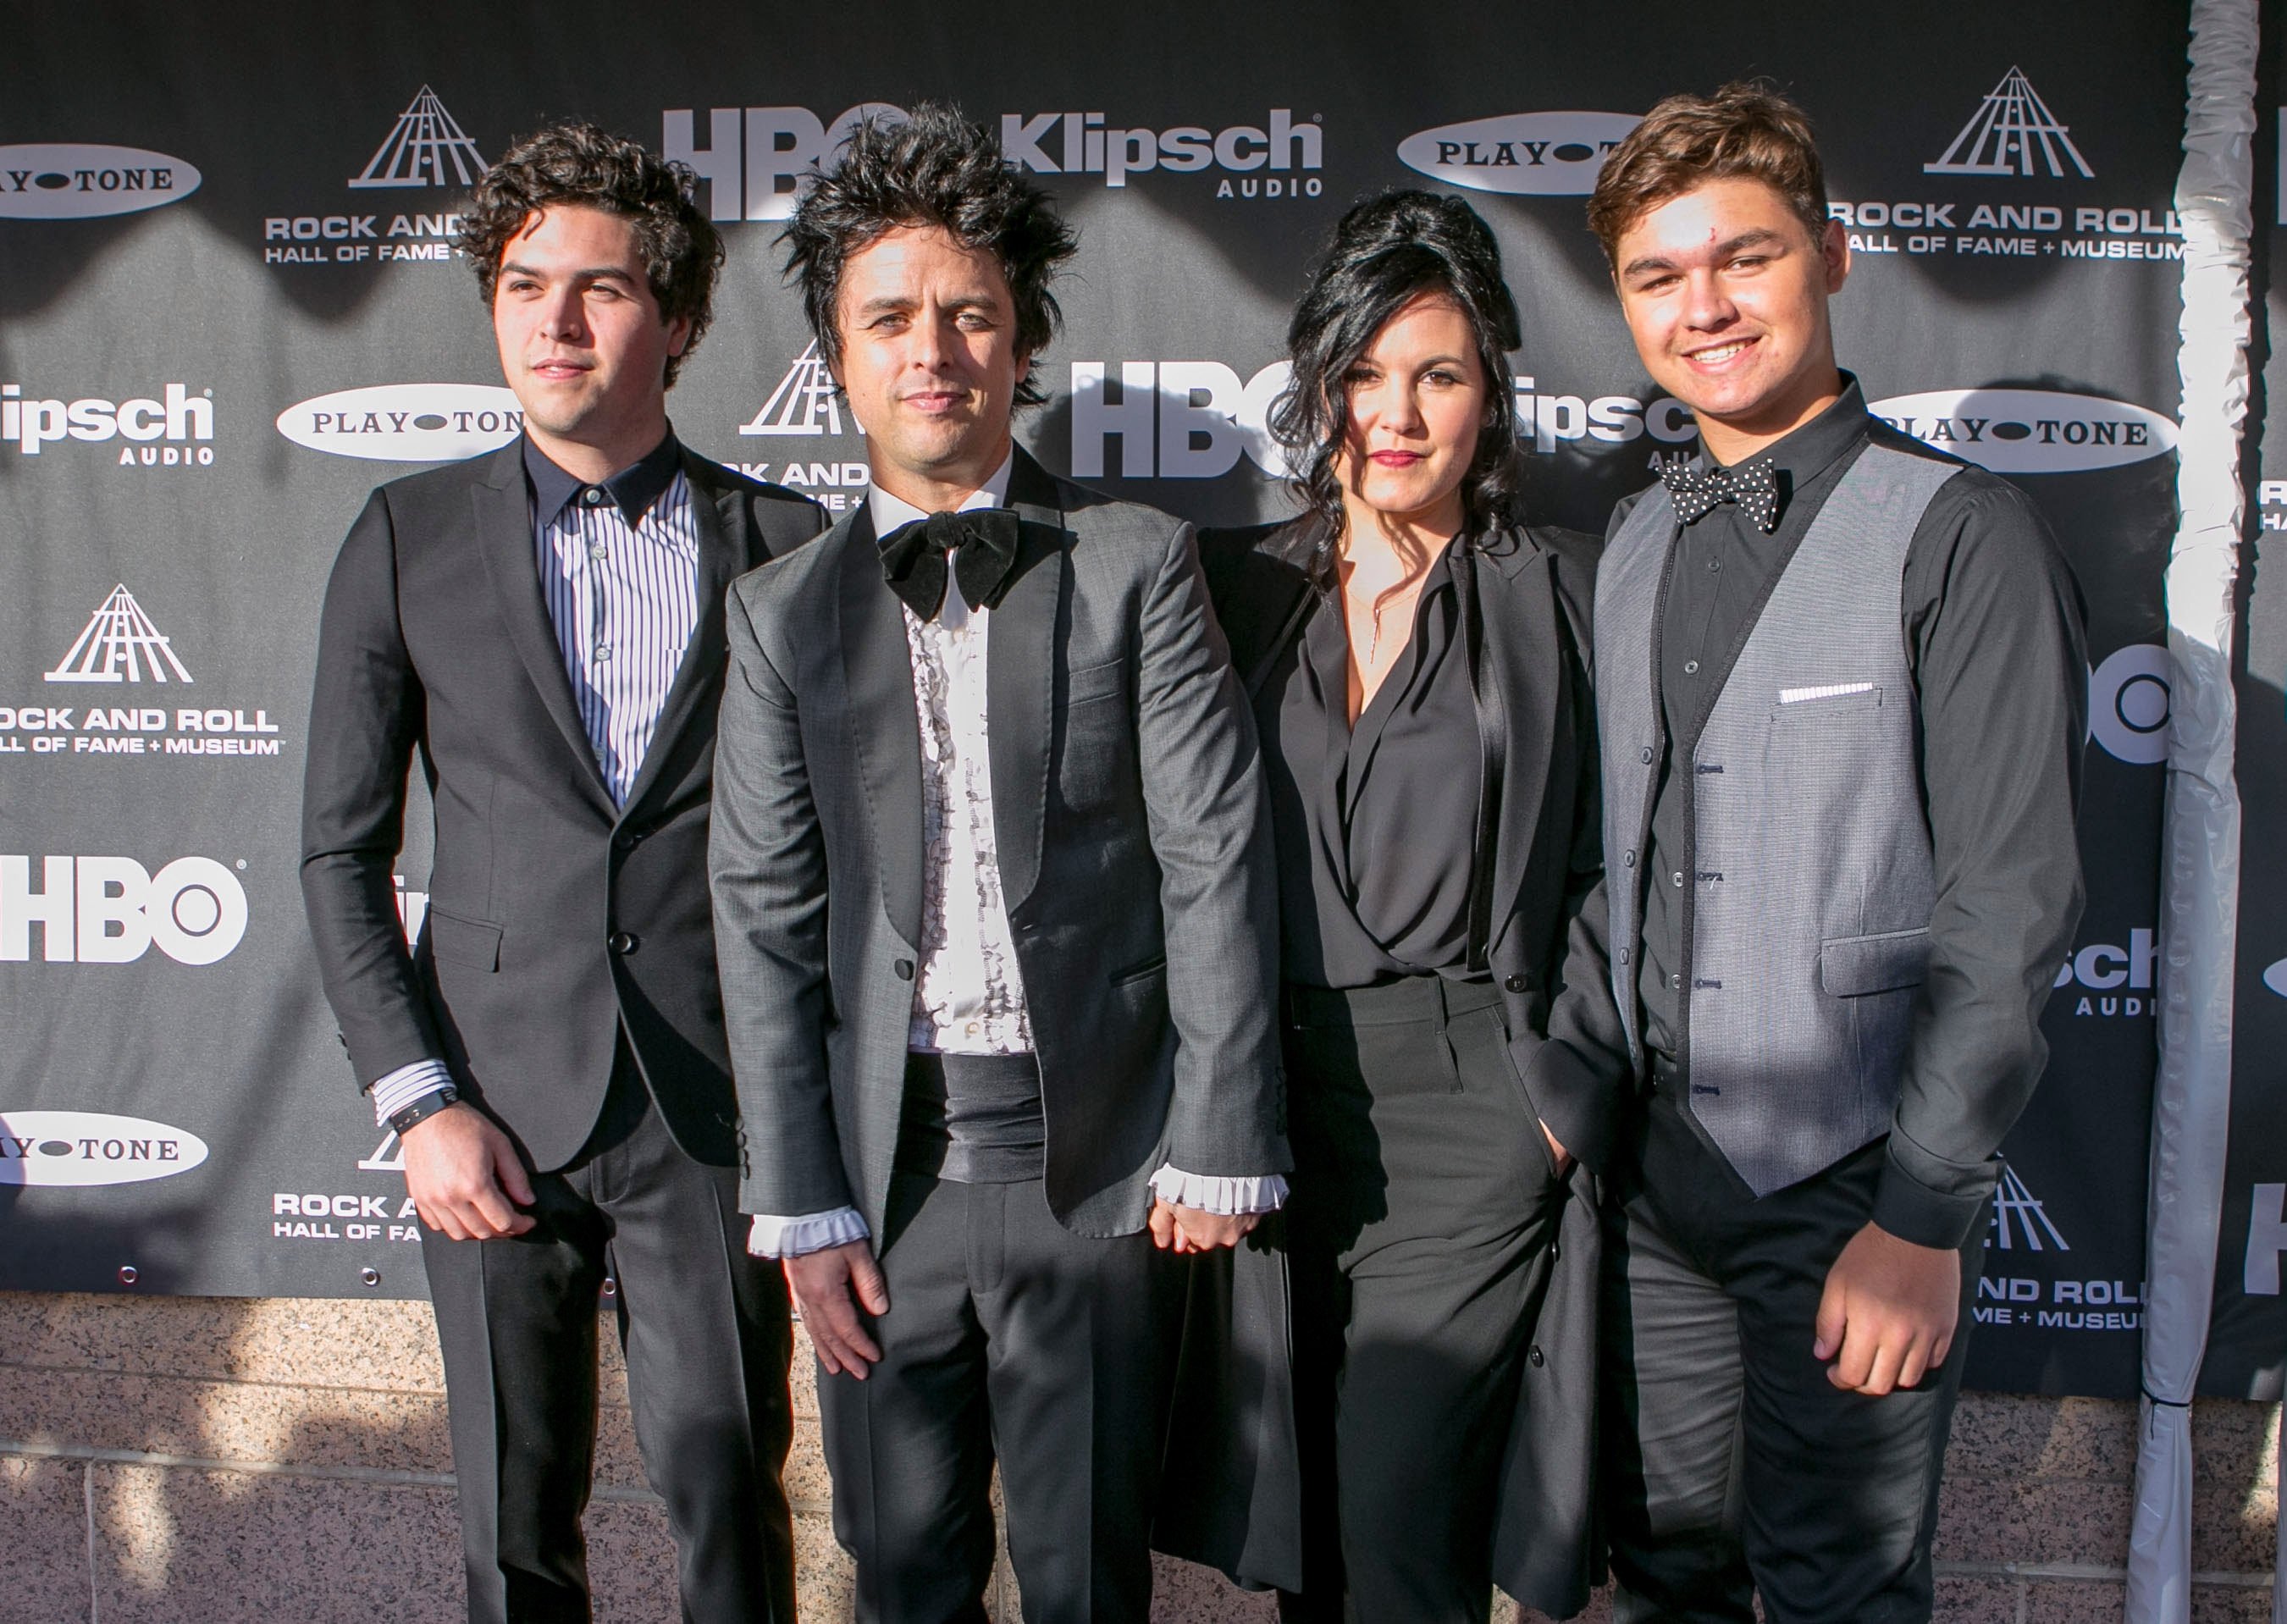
112, 910
424, 151
176, 430
406, 423
2030, 431
2111, 981
1543, 154
1279, 158
91, 1147
58, 181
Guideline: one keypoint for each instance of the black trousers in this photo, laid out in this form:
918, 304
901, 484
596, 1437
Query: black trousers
706, 1331
1007, 1336
1424, 1200
1732, 1465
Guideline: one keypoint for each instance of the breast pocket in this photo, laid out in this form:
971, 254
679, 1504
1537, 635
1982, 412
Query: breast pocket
1821, 701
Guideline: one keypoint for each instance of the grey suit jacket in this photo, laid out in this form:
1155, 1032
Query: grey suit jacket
1132, 843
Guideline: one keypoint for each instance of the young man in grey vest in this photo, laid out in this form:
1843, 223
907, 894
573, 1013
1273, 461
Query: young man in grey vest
1841, 691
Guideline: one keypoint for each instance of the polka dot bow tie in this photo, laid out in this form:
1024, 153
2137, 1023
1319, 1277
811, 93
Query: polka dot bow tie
1696, 492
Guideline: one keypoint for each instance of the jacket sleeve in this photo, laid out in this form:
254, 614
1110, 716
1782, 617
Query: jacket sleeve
1580, 1074
766, 864
367, 712
1209, 825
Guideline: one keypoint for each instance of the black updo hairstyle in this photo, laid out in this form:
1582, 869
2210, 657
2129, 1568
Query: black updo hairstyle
1387, 252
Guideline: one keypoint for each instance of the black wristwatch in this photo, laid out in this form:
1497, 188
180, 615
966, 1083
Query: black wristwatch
421, 1109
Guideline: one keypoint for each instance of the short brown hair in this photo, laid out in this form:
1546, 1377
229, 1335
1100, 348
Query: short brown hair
1745, 131
584, 165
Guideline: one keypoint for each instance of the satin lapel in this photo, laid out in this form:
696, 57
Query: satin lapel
726, 549
877, 672
1520, 654
1020, 676
502, 513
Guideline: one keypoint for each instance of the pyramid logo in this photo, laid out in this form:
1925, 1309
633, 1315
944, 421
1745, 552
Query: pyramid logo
2003, 135
388, 1156
803, 402
118, 642
2011, 1200
425, 139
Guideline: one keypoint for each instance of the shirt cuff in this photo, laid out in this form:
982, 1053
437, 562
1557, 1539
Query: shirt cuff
1924, 1199
776, 1237
400, 1087
1223, 1197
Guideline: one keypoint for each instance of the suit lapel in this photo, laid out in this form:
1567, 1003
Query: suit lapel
726, 549
502, 513
1521, 655
1020, 667
877, 672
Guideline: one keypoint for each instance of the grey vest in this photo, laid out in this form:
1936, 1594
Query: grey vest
1813, 882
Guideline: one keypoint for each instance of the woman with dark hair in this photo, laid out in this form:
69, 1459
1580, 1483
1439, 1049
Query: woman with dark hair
1417, 660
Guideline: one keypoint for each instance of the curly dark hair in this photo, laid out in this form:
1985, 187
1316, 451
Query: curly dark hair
1745, 130
1385, 253
583, 163
935, 168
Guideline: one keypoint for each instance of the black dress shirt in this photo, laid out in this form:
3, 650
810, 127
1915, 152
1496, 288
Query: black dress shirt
1374, 823
1993, 621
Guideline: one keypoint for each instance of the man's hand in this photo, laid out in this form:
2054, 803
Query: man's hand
1557, 1152
829, 1286
1889, 1312
464, 1177
1187, 1228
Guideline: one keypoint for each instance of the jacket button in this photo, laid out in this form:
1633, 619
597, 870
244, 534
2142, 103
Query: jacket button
624, 942
1537, 1358
905, 969
1516, 983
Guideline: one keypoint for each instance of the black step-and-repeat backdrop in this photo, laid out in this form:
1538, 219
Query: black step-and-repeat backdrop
228, 307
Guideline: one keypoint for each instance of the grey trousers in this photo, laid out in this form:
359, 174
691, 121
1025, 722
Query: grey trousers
1732, 1465
1424, 1203
1007, 1336
707, 1339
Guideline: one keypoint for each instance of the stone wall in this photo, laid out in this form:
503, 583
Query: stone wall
190, 1459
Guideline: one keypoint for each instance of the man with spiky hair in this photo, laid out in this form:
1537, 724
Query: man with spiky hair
995, 915
544, 624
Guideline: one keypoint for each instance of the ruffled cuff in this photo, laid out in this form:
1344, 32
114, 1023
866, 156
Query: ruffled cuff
774, 1237
1224, 1197
400, 1087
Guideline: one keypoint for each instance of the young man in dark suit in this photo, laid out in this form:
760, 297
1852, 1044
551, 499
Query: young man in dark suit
544, 624
993, 889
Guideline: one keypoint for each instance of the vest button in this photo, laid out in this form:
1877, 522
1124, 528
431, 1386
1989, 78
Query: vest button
1647, 755
904, 968
625, 942
1678, 877
1515, 984
1627, 859
1537, 1358
1623, 956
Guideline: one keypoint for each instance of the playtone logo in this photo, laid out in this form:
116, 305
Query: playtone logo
1543, 154
111, 910
2030, 431
57, 181
80, 1148
406, 423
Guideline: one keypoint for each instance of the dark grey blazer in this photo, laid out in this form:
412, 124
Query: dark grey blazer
1134, 852
435, 637
1544, 921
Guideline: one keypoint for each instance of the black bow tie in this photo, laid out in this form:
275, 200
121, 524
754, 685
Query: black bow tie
983, 545
1753, 485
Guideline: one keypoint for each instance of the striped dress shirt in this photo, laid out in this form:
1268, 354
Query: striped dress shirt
619, 570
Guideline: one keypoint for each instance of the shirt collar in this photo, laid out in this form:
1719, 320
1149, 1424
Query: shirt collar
1810, 450
889, 512
632, 490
